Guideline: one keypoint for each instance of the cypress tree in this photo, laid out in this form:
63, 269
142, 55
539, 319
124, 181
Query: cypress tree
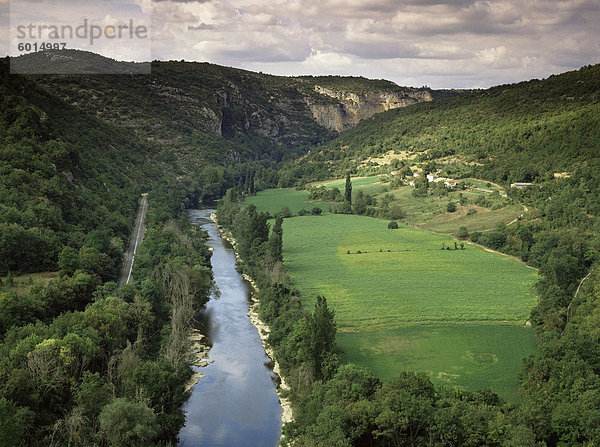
276, 240
323, 328
348, 192
252, 180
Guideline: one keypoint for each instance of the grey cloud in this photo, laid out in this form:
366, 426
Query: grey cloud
381, 50
201, 27
267, 54
461, 43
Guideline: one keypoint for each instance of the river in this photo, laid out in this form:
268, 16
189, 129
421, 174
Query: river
236, 403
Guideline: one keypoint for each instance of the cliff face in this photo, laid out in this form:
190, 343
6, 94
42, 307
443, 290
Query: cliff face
185, 104
353, 108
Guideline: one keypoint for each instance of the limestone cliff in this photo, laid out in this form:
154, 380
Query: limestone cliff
351, 108
185, 104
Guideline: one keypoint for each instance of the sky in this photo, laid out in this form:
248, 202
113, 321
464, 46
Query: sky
438, 43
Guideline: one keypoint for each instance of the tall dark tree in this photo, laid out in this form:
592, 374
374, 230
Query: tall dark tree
348, 192
252, 190
322, 336
276, 240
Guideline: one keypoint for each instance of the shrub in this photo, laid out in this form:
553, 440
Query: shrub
285, 212
393, 225
395, 212
463, 233
316, 211
303, 212
451, 207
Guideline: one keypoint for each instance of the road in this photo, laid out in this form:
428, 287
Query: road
137, 236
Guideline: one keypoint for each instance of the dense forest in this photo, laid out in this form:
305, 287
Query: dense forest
83, 362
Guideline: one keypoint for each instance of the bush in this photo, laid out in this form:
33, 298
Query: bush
303, 212
285, 212
395, 212
451, 207
393, 225
316, 211
463, 233
471, 211
128, 423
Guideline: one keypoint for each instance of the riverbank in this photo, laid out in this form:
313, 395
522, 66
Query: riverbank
263, 331
198, 353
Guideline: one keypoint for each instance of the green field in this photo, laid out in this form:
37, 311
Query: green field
430, 212
272, 200
468, 355
415, 281
404, 303
370, 185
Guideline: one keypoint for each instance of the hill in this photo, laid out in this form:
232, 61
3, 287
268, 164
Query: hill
508, 133
64, 175
184, 106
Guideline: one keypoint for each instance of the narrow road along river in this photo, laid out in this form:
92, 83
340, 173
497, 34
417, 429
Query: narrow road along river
236, 403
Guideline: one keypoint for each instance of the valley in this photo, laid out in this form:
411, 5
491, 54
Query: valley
399, 297
410, 294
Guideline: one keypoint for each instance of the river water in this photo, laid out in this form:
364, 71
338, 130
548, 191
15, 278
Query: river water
236, 403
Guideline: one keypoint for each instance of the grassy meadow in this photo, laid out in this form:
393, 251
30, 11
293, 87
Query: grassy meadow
401, 276
402, 302
369, 185
21, 284
272, 200
469, 355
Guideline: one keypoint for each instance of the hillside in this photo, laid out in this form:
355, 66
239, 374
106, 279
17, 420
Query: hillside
184, 105
509, 133
64, 174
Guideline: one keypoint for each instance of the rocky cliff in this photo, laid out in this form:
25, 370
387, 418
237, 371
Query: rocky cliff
351, 108
185, 104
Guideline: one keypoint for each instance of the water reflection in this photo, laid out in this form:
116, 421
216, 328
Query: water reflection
235, 404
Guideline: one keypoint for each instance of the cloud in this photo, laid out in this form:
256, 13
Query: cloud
443, 43
201, 27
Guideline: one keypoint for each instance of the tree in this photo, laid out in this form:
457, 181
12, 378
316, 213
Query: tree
405, 407
128, 423
322, 335
285, 212
92, 394
421, 186
68, 261
13, 424
348, 191
276, 239
395, 212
